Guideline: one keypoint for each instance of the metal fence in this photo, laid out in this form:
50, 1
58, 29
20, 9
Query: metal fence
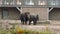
32, 3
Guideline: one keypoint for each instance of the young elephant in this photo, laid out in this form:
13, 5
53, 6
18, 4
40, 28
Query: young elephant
33, 18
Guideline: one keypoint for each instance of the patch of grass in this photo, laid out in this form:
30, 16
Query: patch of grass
19, 30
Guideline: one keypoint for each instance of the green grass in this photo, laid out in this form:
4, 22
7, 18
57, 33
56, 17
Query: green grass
13, 31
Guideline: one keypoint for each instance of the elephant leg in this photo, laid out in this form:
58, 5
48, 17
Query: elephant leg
25, 22
34, 22
22, 22
29, 22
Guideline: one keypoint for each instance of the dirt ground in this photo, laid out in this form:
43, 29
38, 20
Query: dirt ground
54, 28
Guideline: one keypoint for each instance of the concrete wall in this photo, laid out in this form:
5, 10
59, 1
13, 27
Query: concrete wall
54, 14
0, 13
42, 12
13, 13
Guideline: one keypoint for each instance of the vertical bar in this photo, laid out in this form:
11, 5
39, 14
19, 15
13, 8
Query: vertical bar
0, 2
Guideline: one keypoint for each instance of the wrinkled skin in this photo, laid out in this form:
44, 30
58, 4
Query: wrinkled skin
24, 17
33, 18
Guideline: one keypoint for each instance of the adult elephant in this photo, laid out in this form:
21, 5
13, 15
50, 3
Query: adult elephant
24, 17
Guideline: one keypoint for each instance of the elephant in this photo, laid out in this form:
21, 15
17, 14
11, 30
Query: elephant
33, 18
24, 17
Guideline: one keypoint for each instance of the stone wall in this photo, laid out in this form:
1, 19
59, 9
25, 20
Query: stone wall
0, 13
42, 12
13, 13
54, 14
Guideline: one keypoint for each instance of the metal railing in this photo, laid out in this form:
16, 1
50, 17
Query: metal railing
30, 3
